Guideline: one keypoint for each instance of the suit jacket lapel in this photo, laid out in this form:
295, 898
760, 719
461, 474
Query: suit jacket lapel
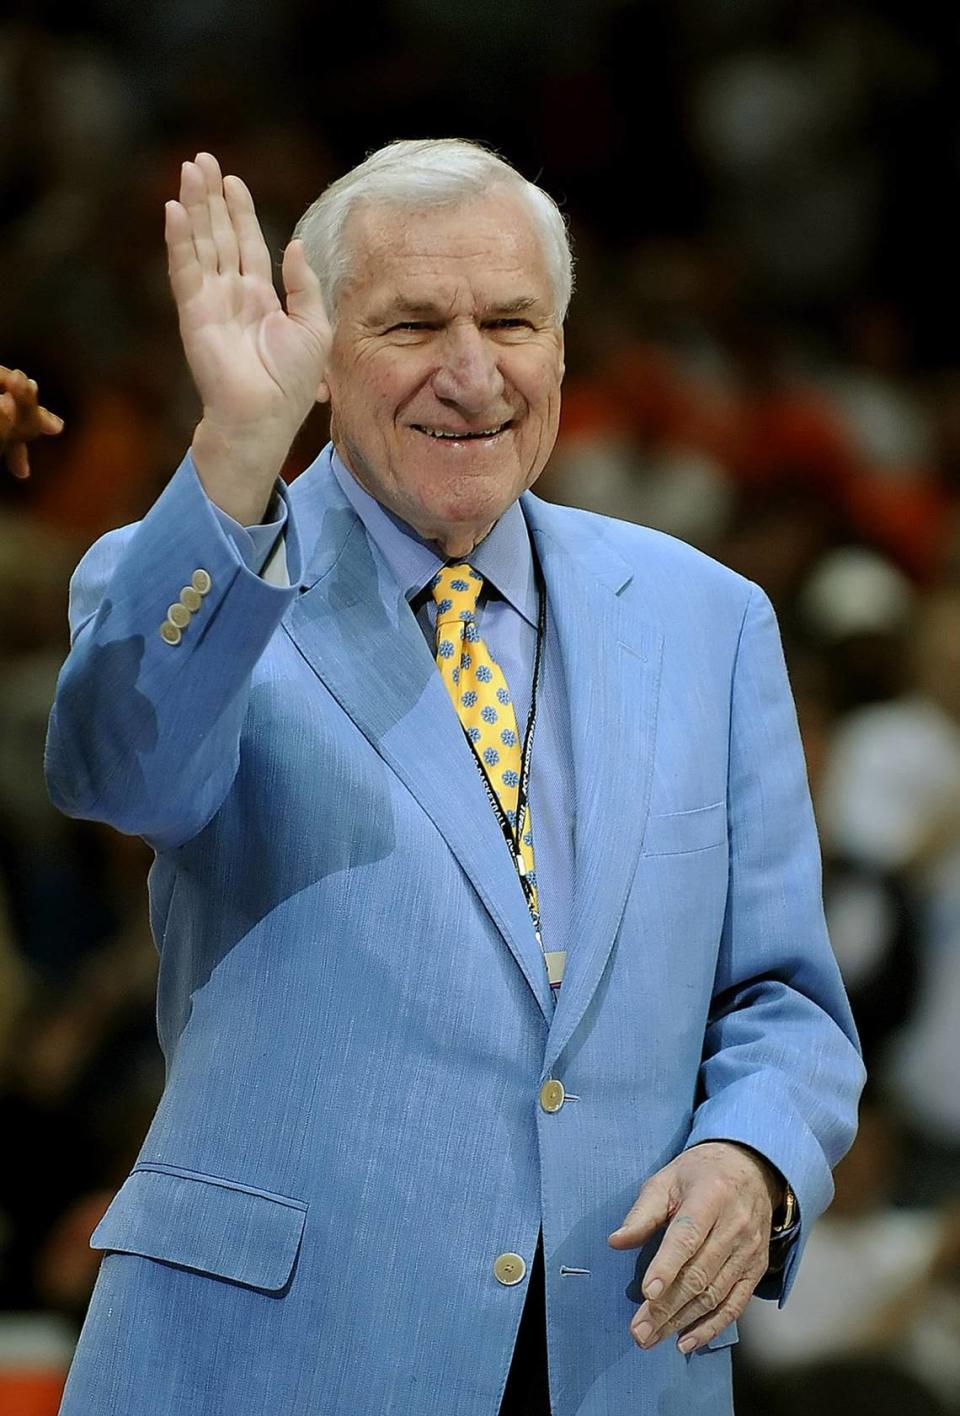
353, 626
611, 667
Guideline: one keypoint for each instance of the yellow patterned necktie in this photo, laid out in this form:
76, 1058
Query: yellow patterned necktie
479, 693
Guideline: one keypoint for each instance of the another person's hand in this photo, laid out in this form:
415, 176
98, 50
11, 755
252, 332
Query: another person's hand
257, 366
717, 1200
21, 420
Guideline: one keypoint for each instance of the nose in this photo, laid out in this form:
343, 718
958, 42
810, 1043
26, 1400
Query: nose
468, 377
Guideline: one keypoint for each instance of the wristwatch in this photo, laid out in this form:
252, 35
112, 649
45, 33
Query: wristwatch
786, 1216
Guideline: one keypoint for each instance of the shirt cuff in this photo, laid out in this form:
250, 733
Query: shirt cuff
255, 544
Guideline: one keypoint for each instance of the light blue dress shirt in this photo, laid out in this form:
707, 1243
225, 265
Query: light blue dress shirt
507, 621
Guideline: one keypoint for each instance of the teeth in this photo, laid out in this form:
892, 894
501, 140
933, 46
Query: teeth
483, 433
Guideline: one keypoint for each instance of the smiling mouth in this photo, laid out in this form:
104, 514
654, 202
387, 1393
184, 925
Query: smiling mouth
443, 435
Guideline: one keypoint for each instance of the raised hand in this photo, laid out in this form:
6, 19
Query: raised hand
256, 365
21, 420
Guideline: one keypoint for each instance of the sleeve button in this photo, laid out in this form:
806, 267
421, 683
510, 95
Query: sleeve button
191, 598
169, 633
178, 615
200, 579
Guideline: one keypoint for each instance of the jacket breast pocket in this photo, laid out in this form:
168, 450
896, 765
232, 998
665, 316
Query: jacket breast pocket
677, 832
201, 1222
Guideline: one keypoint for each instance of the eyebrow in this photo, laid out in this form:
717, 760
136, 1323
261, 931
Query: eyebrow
430, 310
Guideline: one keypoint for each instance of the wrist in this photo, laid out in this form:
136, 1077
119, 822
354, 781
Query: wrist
238, 468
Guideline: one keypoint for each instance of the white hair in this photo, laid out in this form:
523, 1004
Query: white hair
427, 172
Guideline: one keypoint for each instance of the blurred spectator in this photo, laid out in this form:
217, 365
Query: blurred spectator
922, 1324
858, 608
758, 362
861, 1255
891, 799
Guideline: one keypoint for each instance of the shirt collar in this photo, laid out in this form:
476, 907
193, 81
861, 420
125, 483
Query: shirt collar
504, 557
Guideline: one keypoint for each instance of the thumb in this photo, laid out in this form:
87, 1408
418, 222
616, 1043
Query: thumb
304, 298
649, 1212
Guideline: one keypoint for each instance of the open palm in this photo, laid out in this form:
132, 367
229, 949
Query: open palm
256, 365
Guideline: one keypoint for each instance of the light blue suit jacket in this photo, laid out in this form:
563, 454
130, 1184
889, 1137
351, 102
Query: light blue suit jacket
353, 1008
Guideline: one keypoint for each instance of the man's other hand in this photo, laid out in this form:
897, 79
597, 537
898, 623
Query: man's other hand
22, 419
717, 1202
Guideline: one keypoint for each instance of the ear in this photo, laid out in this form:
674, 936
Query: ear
323, 391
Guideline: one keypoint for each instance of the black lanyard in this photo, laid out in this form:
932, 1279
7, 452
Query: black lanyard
513, 835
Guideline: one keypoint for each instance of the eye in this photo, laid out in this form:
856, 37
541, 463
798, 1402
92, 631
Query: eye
508, 324
414, 326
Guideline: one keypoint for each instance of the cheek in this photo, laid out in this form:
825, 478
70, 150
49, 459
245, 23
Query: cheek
536, 377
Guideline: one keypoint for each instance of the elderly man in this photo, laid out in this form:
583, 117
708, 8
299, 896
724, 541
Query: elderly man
486, 883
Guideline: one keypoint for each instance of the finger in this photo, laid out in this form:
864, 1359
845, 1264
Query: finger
728, 1312
253, 252
698, 1275
17, 460
704, 1296
186, 273
8, 415
686, 1235
193, 196
710, 1301
221, 226
49, 422
649, 1212
24, 391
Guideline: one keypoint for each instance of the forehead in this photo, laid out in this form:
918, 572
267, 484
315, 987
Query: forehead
487, 247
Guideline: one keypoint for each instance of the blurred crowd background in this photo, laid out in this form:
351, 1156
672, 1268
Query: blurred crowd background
763, 198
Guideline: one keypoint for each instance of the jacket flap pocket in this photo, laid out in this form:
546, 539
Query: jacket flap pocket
726, 1337
202, 1222
681, 831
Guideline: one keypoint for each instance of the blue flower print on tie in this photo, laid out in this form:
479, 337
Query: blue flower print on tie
456, 675
491, 756
443, 606
473, 734
489, 715
511, 779
508, 737
475, 575
466, 614
528, 838
445, 649
503, 696
512, 817
465, 661
484, 674
472, 635
459, 585
468, 699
